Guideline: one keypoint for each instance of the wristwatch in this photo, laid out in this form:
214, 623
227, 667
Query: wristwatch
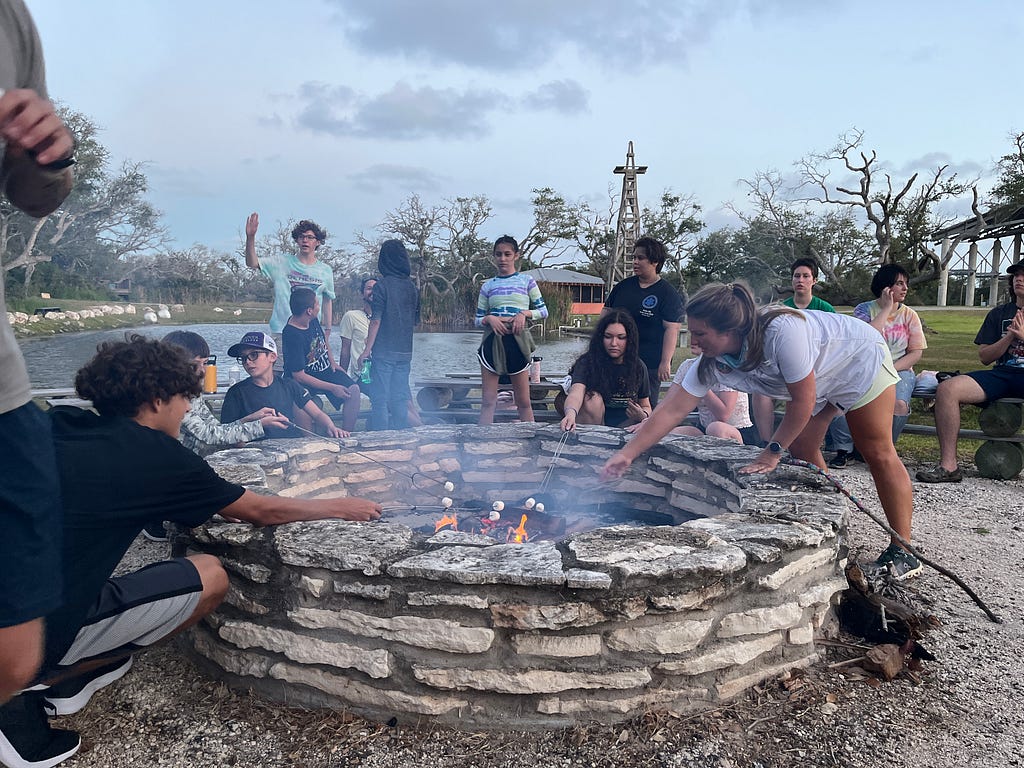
774, 447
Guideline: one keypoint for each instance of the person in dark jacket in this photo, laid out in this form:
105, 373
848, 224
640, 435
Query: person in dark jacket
396, 311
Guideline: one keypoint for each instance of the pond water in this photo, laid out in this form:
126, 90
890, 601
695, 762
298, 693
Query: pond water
53, 361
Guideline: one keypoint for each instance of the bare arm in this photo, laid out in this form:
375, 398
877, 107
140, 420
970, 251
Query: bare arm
572, 405
668, 415
345, 356
252, 224
721, 404
312, 382
371, 337
274, 510
798, 413
328, 305
321, 418
990, 353
909, 360
35, 137
668, 348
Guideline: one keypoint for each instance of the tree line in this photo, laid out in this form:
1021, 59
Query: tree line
842, 206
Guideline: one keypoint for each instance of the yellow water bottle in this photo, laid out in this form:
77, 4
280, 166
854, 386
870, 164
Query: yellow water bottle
210, 377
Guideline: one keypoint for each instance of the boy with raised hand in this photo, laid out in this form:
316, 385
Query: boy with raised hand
119, 469
257, 353
288, 271
308, 359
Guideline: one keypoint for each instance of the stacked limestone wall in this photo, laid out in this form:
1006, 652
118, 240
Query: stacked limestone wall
609, 623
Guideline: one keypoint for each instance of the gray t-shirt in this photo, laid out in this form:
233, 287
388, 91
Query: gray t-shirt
21, 66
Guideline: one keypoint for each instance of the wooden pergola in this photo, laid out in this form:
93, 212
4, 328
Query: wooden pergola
995, 226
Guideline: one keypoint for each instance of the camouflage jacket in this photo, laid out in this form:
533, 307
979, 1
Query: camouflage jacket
203, 434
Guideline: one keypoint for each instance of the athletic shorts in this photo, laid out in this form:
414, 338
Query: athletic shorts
1001, 381
30, 518
137, 610
885, 378
515, 361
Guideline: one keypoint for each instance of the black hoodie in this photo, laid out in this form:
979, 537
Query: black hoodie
396, 303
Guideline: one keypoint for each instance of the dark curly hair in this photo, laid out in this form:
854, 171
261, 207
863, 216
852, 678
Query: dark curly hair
311, 226
607, 378
124, 375
886, 277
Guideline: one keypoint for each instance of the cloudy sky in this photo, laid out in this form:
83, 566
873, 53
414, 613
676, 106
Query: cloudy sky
338, 110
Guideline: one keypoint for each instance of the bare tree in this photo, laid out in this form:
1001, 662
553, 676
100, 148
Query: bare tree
887, 204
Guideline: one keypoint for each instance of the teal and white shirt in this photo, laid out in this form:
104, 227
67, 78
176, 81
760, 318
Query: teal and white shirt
287, 273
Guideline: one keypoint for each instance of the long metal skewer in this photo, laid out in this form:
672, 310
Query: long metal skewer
554, 458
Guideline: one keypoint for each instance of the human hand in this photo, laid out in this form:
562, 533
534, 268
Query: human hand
615, 467
336, 432
355, 509
259, 415
569, 421
1017, 324
518, 323
665, 372
765, 462
252, 224
498, 325
28, 123
885, 300
341, 391
274, 419
635, 412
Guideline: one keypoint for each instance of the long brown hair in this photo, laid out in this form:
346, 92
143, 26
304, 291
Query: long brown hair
731, 309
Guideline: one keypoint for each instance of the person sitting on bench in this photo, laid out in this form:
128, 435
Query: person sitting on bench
1000, 341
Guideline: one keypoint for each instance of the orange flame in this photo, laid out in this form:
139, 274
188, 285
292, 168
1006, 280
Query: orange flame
519, 535
447, 520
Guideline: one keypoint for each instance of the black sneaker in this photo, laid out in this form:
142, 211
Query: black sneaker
839, 460
69, 696
899, 563
155, 532
939, 474
27, 740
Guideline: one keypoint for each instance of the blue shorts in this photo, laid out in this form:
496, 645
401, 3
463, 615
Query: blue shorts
1001, 381
30, 517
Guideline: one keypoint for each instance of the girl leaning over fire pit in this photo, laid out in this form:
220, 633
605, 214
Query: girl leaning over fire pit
821, 364
610, 384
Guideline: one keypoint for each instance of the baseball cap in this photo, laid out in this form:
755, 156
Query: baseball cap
1015, 268
255, 340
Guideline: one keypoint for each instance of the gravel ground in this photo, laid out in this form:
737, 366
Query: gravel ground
965, 710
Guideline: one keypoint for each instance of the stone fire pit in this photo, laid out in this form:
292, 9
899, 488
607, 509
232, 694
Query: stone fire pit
389, 622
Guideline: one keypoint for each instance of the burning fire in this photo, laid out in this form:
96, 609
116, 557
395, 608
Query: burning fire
447, 520
519, 535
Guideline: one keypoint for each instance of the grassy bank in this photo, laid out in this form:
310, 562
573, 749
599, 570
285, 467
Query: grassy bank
194, 313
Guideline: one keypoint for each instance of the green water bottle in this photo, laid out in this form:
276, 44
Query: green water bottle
364, 374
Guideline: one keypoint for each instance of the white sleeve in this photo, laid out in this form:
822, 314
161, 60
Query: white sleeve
687, 378
788, 341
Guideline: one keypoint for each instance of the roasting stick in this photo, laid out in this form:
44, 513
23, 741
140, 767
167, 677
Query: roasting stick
554, 458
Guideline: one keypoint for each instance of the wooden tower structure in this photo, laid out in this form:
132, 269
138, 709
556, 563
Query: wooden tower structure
627, 230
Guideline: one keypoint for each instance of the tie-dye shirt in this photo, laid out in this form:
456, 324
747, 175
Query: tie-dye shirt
508, 295
902, 332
